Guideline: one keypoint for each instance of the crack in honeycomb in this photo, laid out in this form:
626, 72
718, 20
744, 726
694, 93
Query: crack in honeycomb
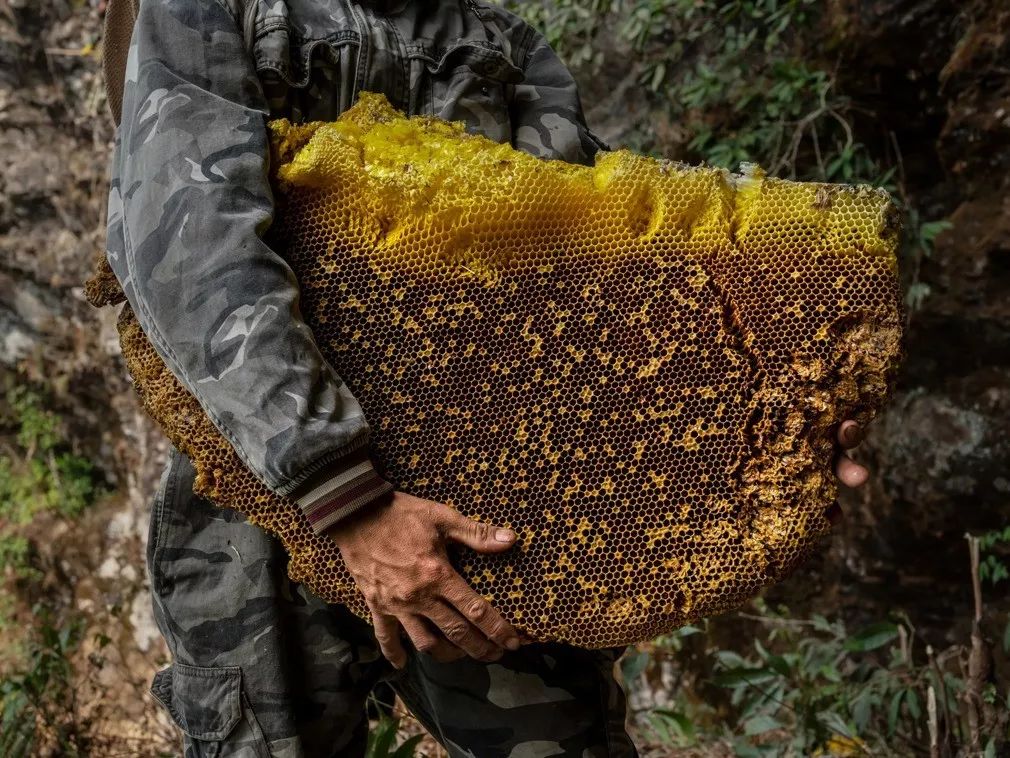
639, 366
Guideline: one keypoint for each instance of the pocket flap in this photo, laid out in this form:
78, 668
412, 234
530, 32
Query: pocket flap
482, 58
291, 57
206, 703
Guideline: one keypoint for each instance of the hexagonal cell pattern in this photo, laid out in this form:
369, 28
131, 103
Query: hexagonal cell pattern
638, 366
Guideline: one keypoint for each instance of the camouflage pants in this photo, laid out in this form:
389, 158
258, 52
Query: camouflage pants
262, 668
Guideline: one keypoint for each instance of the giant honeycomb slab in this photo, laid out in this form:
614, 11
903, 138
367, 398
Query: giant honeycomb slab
638, 366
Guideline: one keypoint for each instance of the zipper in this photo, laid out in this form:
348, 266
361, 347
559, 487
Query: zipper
364, 49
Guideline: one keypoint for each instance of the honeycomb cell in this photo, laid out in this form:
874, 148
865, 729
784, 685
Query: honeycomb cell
638, 366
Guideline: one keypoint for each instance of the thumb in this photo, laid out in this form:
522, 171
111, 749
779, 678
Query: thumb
484, 538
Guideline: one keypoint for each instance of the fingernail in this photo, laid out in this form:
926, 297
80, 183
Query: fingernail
853, 435
513, 643
504, 535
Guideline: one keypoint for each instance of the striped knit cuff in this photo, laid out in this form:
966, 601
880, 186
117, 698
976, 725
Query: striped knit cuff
329, 497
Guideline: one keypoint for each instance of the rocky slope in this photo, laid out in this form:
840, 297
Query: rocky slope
55, 139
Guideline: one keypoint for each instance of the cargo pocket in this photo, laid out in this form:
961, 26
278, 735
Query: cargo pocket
162, 510
157, 514
207, 704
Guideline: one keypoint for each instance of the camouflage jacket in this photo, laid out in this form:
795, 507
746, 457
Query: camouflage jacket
190, 198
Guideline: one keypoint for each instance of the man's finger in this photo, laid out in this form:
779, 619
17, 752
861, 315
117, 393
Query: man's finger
850, 473
429, 642
387, 634
481, 614
461, 633
850, 434
484, 538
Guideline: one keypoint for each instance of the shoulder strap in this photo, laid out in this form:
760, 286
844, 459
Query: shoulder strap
120, 16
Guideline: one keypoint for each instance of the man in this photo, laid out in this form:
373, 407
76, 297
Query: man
260, 667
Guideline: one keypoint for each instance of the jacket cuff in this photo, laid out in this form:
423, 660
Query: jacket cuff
339, 490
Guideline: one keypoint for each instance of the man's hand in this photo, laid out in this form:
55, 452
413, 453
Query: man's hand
396, 553
850, 473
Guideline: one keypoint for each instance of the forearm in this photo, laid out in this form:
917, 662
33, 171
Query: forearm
189, 204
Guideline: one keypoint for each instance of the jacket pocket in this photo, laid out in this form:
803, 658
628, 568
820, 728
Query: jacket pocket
471, 82
207, 704
307, 79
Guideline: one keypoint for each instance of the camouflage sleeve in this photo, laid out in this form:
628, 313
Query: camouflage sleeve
189, 202
547, 113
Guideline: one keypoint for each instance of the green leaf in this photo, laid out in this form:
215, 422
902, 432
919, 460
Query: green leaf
729, 659
862, 709
930, 230
831, 673
835, 723
661, 727
380, 739
780, 665
872, 637
912, 701
633, 664
658, 74
735, 677
743, 749
760, 724
408, 748
821, 624
894, 711
683, 725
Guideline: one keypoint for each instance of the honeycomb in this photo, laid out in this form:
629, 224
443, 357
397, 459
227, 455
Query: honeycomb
638, 366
